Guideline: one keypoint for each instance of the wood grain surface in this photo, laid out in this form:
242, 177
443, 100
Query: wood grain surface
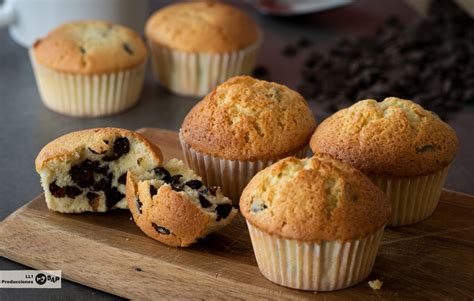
431, 260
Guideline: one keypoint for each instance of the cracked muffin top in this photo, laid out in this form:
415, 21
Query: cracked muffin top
90, 47
394, 137
249, 119
314, 199
202, 27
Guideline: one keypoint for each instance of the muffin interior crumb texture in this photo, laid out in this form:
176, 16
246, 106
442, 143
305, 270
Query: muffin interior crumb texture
239, 119
314, 199
175, 178
92, 176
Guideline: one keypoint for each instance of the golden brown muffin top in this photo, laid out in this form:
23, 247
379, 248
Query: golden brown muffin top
98, 140
314, 199
202, 27
249, 119
90, 47
395, 137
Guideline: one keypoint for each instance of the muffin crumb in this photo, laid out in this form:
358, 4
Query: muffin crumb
375, 284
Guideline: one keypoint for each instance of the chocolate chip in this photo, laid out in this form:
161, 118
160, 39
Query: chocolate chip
289, 51
175, 184
106, 141
127, 48
122, 179
223, 211
93, 200
82, 50
193, 184
153, 190
162, 174
56, 191
213, 190
160, 229
112, 197
425, 148
257, 207
83, 174
121, 147
204, 202
72, 191
139, 205
138, 270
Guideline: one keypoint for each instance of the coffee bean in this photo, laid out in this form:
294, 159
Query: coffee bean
204, 202
223, 211
290, 51
56, 191
160, 229
122, 179
162, 174
193, 184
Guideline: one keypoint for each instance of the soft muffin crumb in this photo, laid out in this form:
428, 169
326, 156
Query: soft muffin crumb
375, 284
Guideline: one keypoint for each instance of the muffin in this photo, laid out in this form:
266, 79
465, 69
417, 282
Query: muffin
197, 45
241, 127
89, 68
403, 148
315, 223
86, 170
174, 207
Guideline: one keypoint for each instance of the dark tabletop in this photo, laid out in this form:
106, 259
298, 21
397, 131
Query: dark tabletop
26, 125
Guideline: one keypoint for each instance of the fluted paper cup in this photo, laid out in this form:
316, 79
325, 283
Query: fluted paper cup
88, 95
323, 266
231, 175
413, 198
197, 73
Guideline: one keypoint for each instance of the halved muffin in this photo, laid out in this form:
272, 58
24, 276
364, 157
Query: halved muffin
174, 207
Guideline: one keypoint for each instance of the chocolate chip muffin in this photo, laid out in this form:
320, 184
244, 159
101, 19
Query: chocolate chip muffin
198, 45
315, 223
89, 68
86, 170
174, 207
405, 149
241, 127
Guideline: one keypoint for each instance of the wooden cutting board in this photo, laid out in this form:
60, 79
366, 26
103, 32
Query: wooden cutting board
433, 259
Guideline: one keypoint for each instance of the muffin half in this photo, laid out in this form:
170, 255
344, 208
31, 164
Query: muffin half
174, 207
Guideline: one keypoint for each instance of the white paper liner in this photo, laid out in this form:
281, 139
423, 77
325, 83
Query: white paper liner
324, 266
197, 73
414, 198
231, 175
85, 95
